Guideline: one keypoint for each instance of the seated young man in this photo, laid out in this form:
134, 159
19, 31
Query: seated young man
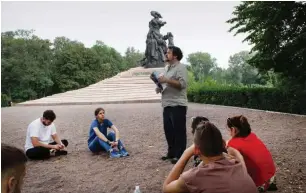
100, 141
40, 134
13, 168
258, 159
216, 174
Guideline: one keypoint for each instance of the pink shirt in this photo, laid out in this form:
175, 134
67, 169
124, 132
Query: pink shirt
223, 176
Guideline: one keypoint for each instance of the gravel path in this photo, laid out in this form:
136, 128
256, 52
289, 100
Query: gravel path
142, 132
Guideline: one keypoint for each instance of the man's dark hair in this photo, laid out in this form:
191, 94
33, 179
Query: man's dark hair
196, 121
208, 137
11, 157
49, 115
176, 51
98, 110
242, 125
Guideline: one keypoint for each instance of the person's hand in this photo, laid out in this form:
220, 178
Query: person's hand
157, 90
114, 143
62, 146
162, 79
57, 147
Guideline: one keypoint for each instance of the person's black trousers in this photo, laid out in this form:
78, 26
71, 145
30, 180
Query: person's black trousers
175, 130
40, 153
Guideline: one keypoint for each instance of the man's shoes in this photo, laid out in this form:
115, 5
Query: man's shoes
166, 157
174, 160
123, 152
114, 154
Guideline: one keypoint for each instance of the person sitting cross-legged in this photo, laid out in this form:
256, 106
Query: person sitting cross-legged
40, 134
100, 141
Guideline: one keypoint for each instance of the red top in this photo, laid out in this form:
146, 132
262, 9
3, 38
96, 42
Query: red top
257, 157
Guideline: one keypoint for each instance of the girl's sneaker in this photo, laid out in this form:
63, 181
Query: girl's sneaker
123, 152
114, 154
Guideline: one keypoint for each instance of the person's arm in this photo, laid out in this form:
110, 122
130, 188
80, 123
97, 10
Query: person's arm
100, 135
114, 128
237, 155
181, 83
177, 186
55, 136
174, 83
36, 143
173, 183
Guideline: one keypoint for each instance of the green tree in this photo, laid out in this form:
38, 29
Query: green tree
32, 67
277, 30
240, 71
201, 64
25, 65
219, 74
132, 57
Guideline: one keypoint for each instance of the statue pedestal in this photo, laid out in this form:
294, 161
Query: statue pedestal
155, 65
140, 72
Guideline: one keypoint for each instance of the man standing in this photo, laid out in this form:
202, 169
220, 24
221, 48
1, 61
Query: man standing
39, 135
174, 102
13, 168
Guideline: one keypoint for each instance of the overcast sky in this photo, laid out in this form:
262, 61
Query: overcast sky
196, 26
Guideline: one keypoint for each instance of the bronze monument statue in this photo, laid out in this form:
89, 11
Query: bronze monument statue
156, 45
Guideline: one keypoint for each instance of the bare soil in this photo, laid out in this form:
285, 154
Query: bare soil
141, 131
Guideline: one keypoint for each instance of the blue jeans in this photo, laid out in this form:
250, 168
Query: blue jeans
98, 144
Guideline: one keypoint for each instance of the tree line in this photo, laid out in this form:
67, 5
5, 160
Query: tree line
277, 60
32, 67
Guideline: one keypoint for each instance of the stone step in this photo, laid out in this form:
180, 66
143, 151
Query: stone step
99, 96
131, 86
105, 92
134, 95
111, 92
125, 85
128, 82
98, 99
112, 88
91, 101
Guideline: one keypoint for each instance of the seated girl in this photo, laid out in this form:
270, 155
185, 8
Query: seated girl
257, 157
99, 140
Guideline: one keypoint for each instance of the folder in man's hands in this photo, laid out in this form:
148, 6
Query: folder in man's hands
154, 77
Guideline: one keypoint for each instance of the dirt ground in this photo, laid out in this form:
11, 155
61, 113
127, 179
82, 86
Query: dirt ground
142, 133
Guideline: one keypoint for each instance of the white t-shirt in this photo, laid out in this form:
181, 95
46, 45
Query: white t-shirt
39, 130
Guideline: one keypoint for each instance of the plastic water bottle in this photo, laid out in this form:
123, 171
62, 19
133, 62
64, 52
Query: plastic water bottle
137, 190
